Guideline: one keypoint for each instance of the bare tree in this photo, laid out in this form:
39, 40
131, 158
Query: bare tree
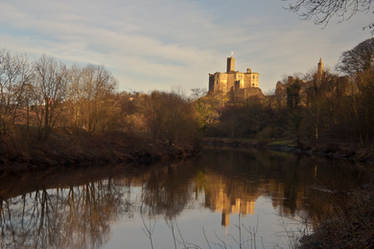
197, 93
322, 11
358, 59
74, 98
50, 84
170, 118
15, 73
97, 84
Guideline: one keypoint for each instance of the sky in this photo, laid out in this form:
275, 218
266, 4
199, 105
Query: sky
174, 44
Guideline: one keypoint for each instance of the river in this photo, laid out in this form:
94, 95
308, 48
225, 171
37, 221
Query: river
223, 199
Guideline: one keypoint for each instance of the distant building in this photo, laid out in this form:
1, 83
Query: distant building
232, 80
320, 70
330, 86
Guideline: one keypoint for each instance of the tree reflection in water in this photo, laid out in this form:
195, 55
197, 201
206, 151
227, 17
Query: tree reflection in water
227, 182
75, 217
167, 192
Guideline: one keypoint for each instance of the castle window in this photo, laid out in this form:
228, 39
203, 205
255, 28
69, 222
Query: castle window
237, 84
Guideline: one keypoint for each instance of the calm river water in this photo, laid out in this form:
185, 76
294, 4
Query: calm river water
223, 199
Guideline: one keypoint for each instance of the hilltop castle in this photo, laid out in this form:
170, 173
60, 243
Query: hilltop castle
232, 80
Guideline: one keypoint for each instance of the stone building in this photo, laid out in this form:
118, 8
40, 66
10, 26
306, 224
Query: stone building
328, 84
232, 80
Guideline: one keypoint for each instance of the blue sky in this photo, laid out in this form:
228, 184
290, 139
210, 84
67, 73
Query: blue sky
164, 44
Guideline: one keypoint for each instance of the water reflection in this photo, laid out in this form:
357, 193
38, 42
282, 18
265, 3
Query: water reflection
75, 217
233, 182
167, 191
227, 182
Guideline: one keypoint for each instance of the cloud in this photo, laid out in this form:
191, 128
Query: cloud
162, 43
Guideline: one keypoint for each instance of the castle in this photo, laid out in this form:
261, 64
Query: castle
232, 80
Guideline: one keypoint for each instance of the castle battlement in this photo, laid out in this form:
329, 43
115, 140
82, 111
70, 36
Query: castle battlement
232, 80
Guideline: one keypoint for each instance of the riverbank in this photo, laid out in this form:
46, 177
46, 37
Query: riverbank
352, 225
66, 150
328, 150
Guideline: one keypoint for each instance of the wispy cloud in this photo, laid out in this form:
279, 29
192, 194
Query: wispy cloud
162, 43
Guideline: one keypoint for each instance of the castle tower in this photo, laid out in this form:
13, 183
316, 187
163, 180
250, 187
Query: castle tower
225, 221
320, 69
230, 64
231, 80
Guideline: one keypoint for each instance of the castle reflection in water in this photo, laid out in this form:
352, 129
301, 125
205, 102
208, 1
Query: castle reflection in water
218, 200
233, 197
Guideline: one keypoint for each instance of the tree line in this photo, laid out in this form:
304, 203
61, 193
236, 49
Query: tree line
45, 97
47, 94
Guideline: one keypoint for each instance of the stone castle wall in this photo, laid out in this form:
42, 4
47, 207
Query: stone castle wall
232, 80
